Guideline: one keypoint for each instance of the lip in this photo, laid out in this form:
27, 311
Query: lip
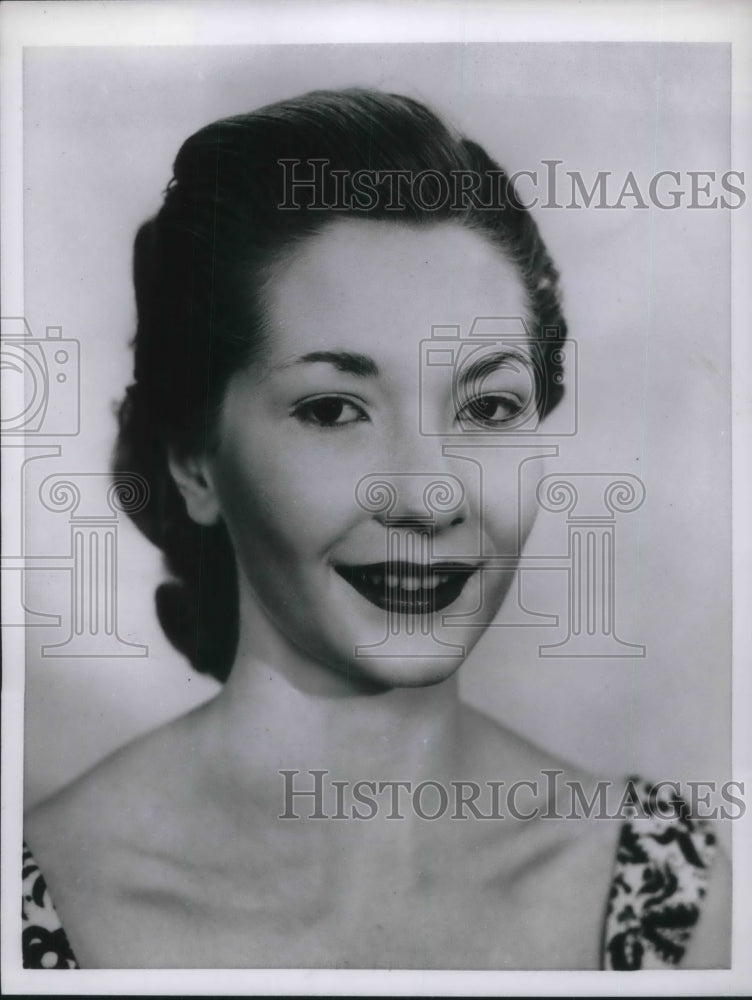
438, 584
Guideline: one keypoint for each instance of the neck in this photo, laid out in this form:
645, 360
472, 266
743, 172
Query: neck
281, 710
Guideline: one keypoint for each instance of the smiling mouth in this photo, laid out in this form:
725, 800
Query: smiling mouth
408, 588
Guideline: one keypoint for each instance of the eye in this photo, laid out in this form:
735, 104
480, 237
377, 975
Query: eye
329, 412
490, 410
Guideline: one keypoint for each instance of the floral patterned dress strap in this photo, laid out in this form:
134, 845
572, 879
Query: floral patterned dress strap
658, 885
44, 942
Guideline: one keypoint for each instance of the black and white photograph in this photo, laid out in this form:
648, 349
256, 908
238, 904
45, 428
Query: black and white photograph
375, 458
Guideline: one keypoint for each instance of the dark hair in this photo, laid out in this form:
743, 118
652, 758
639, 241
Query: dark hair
215, 236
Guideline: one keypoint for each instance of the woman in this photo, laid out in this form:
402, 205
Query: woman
334, 518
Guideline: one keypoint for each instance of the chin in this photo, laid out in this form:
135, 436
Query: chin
407, 659
405, 645
388, 672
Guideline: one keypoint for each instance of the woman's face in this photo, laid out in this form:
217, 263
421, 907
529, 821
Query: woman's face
347, 396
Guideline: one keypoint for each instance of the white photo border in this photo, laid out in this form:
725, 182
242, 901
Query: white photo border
204, 22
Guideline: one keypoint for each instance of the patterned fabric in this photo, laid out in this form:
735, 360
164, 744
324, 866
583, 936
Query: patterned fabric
662, 864
45, 944
656, 892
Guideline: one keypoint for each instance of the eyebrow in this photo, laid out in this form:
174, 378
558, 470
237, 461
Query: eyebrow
344, 361
490, 362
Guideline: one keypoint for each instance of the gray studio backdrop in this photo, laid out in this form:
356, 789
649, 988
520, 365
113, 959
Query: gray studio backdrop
647, 298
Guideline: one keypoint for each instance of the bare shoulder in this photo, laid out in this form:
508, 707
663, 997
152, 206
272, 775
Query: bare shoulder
562, 814
559, 786
90, 826
574, 823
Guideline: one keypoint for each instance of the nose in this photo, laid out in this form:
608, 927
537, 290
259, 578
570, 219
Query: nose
422, 501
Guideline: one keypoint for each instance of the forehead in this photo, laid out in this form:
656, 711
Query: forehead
374, 286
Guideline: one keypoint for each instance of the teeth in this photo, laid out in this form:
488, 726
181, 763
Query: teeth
409, 583
411, 589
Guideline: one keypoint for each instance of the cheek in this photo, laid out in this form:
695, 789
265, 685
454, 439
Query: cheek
509, 502
289, 501
532, 473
